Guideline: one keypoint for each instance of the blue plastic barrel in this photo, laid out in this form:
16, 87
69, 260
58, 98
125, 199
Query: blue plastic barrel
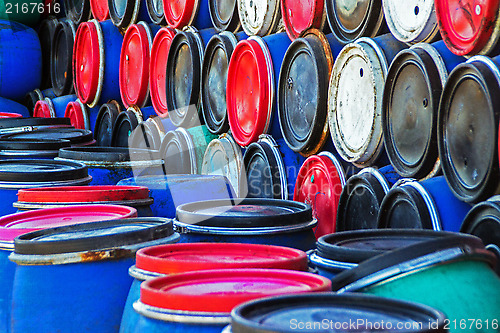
52, 108
7, 105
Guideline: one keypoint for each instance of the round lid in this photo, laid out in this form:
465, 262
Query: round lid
31, 98
31, 144
245, 213
105, 122
250, 93
214, 81
61, 59
360, 201
20, 223
319, 184
87, 61
300, 16
43, 109
283, 314
468, 131
21, 122
175, 150
100, 9
158, 69
94, 236
411, 21
410, 109
259, 18
410, 259
83, 194
109, 154
146, 136
10, 115
180, 258
221, 290
350, 20
134, 65
303, 93
77, 11
359, 245
32, 171
179, 13
224, 15
75, 136
155, 12
75, 111
468, 31
125, 124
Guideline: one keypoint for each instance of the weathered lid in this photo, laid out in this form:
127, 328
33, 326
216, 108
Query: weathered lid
300, 16
155, 12
319, 184
108, 154
125, 124
100, 9
46, 36
179, 14
105, 122
258, 17
146, 136
7, 144
124, 13
44, 109
6, 123
177, 152
32, 171
61, 71
77, 11
224, 15
78, 113
75, 136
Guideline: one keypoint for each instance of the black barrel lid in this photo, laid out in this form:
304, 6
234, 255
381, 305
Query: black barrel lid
262, 170
122, 12
303, 94
31, 171
22, 122
183, 79
31, 144
74, 135
93, 236
146, 136
214, 79
155, 12
468, 121
109, 154
125, 124
410, 259
360, 201
360, 245
280, 314
46, 35
31, 98
175, 152
224, 15
409, 113
61, 71
77, 11
105, 121
243, 213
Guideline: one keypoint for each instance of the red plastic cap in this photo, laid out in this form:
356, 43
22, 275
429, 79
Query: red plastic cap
17, 224
74, 194
158, 70
301, 15
320, 185
181, 258
86, 60
134, 65
42, 110
75, 113
249, 92
222, 290
100, 9
467, 25
10, 115
179, 13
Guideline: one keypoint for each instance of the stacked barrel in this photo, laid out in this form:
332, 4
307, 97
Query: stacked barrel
249, 166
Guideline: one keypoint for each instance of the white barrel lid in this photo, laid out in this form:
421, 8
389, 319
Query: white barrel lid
260, 17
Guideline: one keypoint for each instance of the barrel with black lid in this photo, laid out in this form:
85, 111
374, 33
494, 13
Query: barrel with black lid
61, 71
77, 137
82, 270
180, 14
214, 80
124, 13
468, 123
259, 18
81, 115
224, 15
341, 251
155, 12
354, 19
453, 274
126, 122
52, 108
109, 165
105, 122
9, 106
202, 301
31, 148
46, 33
165, 260
256, 221
362, 196
303, 91
171, 191
52, 197
410, 107
34, 96
327, 312
184, 65
483, 221
77, 11
149, 133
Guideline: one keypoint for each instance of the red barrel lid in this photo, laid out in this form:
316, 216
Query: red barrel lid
83, 193
158, 69
301, 15
86, 61
74, 112
100, 9
181, 258
17, 224
134, 65
222, 290
179, 13
10, 115
250, 91
468, 26
319, 184
42, 110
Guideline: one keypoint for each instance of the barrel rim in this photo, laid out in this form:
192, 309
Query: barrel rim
154, 15
63, 29
124, 117
110, 110
233, 24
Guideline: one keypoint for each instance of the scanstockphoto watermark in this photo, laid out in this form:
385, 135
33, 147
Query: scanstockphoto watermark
361, 325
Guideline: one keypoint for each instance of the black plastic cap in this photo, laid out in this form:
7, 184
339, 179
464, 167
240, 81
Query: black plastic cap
106, 118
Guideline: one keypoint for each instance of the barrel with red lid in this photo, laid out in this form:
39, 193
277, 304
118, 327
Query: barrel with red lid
34, 96
300, 16
100, 9
165, 260
82, 116
52, 108
180, 14
202, 301
96, 60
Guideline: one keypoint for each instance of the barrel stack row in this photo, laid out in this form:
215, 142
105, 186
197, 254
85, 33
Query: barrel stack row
354, 112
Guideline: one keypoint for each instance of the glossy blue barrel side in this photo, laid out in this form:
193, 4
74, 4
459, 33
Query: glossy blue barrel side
20, 60
292, 162
450, 59
148, 112
241, 35
143, 12
206, 34
150, 325
113, 40
9, 196
390, 46
390, 174
335, 45
202, 19
7, 105
60, 104
112, 174
7, 270
49, 93
92, 115
130, 317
